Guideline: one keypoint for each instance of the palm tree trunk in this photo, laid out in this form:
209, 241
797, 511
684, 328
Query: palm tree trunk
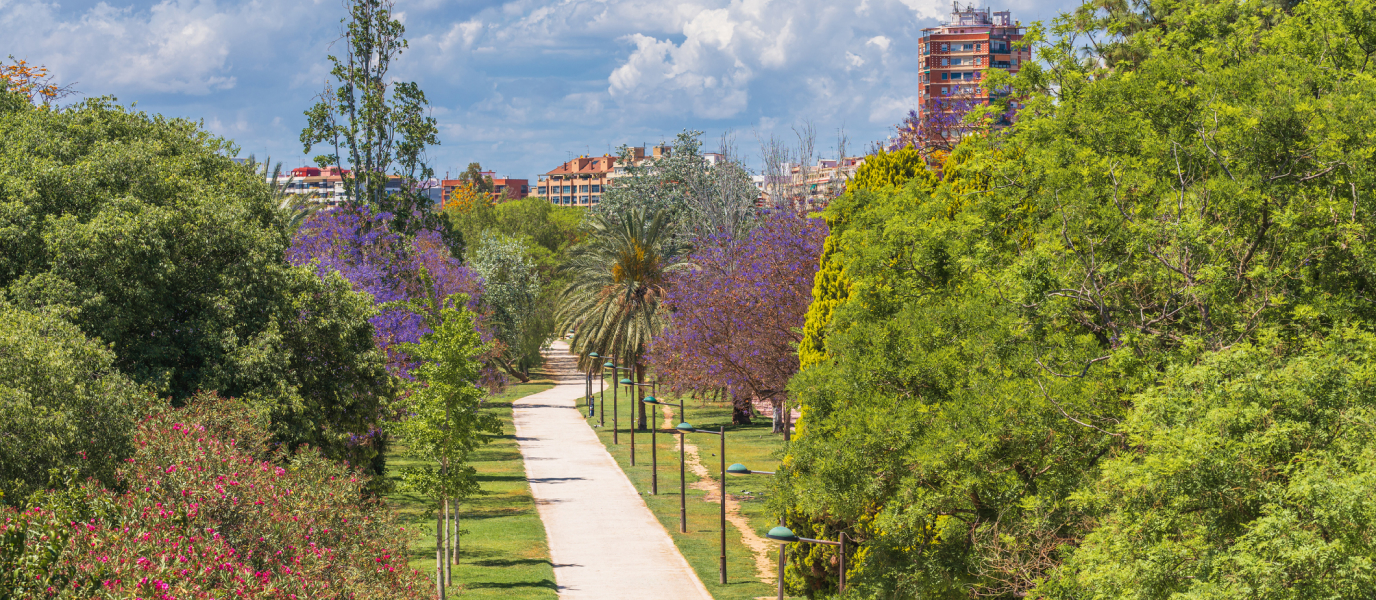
640, 393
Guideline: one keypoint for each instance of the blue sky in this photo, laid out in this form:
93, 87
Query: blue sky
518, 85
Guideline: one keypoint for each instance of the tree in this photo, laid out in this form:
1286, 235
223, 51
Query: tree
141, 232
702, 199
616, 287
63, 405
1073, 366
393, 269
736, 316
511, 290
377, 124
34, 83
474, 177
443, 418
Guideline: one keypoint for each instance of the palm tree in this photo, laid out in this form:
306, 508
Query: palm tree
294, 208
613, 302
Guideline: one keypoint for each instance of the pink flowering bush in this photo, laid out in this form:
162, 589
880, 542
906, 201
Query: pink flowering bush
210, 512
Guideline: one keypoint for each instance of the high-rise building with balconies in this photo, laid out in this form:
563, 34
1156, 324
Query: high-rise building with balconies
955, 59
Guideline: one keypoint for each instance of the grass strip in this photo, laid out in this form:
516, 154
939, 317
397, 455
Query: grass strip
752, 445
503, 553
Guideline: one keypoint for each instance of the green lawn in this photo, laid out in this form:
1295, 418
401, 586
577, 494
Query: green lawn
752, 445
504, 554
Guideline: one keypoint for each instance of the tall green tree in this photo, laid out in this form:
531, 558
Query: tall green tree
616, 286
377, 127
141, 231
511, 291
1075, 366
443, 418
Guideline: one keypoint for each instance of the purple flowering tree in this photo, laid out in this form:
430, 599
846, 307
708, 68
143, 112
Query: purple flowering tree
737, 317
393, 268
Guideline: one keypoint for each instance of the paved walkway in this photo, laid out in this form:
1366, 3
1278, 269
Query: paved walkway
603, 540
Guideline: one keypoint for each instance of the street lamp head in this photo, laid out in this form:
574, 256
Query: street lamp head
782, 534
684, 427
593, 354
609, 365
651, 400
737, 469
625, 381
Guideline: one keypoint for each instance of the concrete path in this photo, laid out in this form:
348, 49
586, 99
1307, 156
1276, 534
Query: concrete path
603, 540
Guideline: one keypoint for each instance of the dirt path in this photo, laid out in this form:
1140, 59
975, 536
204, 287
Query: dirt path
759, 546
604, 542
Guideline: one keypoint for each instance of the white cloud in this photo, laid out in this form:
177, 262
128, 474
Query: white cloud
177, 46
517, 84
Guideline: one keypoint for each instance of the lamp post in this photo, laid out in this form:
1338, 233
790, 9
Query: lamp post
592, 408
687, 428
616, 428
654, 448
740, 469
626, 381
602, 396
786, 536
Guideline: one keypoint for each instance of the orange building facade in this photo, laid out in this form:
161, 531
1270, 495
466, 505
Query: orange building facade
955, 57
582, 181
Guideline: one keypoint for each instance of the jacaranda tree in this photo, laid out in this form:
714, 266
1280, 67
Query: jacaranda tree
736, 316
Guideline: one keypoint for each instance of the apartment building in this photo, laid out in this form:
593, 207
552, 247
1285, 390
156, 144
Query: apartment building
326, 186
955, 59
582, 181
808, 185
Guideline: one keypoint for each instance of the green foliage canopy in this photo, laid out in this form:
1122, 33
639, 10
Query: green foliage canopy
1117, 351
138, 230
63, 405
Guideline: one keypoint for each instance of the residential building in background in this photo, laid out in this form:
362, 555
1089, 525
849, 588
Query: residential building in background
582, 181
955, 57
807, 186
511, 189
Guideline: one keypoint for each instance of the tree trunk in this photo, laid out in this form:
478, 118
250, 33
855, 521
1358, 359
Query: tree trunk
640, 394
788, 419
740, 410
512, 371
777, 420
439, 551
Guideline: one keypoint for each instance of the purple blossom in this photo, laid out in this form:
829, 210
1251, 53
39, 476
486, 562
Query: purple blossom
737, 318
358, 244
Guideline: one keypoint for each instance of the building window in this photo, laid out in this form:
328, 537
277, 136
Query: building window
977, 47
597, 188
945, 76
583, 200
945, 62
967, 47
945, 47
583, 188
568, 189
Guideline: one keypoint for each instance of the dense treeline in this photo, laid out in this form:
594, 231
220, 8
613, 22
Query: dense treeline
138, 231
1123, 348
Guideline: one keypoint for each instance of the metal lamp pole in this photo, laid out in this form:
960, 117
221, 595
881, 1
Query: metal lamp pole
721, 431
616, 427
740, 469
592, 365
602, 395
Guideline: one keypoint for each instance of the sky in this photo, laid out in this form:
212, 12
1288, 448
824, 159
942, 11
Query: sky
519, 86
